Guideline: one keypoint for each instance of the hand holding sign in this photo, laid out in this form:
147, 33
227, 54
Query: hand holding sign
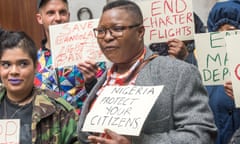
89, 69
111, 137
229, 89
218, 58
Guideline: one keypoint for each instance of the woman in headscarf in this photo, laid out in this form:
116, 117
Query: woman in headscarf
222, 17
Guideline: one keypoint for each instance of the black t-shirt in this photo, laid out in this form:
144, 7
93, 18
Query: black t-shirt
9, 110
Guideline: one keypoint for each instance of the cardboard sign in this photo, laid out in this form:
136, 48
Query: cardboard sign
74, 42
10, 131
166, 19
212, 57
122, 109
233, 50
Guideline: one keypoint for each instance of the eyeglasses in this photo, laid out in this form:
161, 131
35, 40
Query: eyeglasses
115, 31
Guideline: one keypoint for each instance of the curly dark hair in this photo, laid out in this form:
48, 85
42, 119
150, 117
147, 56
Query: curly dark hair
11, 40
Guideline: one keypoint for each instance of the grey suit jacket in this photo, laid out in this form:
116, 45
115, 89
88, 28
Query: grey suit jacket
181, 114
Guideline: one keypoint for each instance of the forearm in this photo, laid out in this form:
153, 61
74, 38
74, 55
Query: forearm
90, 85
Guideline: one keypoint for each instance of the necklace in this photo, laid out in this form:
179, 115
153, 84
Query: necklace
21, 107
5, 110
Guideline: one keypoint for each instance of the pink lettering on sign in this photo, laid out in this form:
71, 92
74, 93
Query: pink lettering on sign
81, 36
76, 52
68, 29
8, 132
170, 33
168, 6
168, 19
72, 42
92, 54
237, 71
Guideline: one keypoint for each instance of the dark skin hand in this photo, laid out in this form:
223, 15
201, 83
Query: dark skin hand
229, 89
177, 49
89, 69
110, 138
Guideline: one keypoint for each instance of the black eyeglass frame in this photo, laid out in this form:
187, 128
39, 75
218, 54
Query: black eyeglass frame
110, 29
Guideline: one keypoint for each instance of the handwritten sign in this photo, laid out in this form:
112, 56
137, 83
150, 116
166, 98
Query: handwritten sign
212, 57
233, 50
9, 131
122, 109
74, 42
166, 19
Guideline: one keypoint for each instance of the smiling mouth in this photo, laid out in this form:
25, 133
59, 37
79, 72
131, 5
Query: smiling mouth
15, 81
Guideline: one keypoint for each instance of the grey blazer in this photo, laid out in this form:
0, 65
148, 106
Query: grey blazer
181, 114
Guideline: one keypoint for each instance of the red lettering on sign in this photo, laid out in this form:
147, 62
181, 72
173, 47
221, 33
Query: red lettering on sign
237, 71
168, 6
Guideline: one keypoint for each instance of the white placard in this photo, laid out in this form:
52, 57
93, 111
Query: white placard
10, 131
122, 109
74, 42
166, 19
233, 50
212, 57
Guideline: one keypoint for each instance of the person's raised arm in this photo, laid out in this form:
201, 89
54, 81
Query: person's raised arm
89, 69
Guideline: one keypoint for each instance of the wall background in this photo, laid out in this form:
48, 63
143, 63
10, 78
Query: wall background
20, 16
94, 5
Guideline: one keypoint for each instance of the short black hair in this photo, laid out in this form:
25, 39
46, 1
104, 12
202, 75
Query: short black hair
41, 3
126, 5
12, 39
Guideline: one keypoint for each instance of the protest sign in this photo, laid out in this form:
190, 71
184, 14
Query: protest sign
233, 50
212, 57
74, 42
166, 19
122, 109
10, 131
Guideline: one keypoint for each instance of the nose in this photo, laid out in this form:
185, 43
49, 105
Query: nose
14, 70
57, 17
108, 35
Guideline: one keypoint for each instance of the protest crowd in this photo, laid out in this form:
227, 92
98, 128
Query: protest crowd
144, 72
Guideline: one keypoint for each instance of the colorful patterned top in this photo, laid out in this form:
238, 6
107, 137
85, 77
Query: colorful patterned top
67, 81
